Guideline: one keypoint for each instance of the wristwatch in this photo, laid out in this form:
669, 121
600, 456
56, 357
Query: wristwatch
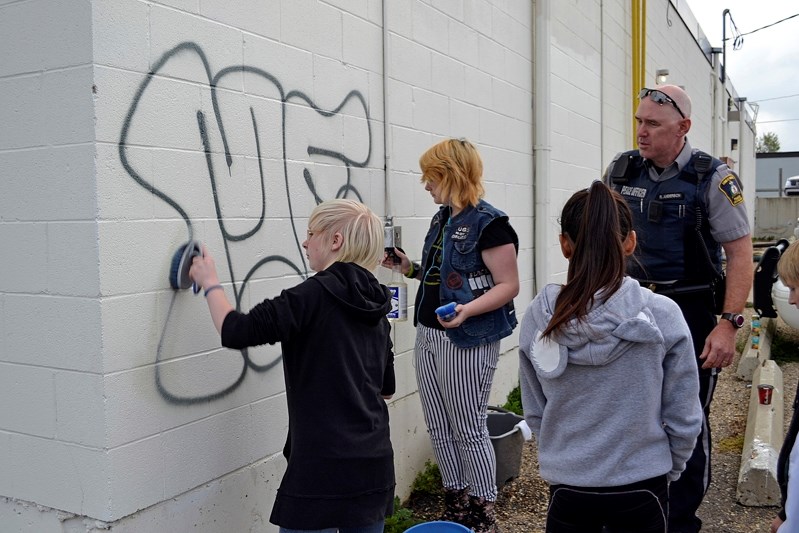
736, 319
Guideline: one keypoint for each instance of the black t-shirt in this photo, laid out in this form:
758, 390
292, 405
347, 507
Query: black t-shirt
496, 233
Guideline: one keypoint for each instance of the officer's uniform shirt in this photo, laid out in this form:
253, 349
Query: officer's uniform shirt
724, 198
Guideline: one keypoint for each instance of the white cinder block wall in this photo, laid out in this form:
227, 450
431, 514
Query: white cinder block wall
131, 126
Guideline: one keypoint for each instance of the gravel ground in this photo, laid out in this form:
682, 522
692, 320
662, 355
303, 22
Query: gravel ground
522, 503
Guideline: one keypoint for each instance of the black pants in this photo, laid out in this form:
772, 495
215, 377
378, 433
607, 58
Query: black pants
686, 494
640, 507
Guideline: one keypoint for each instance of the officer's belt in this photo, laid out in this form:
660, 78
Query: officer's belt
676, 288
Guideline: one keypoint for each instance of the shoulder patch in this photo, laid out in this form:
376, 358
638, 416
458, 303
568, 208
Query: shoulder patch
729, 187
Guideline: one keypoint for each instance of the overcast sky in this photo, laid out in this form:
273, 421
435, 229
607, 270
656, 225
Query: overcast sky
765, 69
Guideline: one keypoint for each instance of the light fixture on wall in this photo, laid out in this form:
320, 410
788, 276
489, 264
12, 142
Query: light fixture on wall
661, 76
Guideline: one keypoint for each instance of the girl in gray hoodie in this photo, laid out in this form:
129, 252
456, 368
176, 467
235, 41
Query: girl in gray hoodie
608, 379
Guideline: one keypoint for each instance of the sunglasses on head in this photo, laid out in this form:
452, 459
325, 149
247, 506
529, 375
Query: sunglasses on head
659, 97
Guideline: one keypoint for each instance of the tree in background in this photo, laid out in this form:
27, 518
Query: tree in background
768, 142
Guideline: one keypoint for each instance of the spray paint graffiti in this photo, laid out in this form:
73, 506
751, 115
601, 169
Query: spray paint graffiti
354, 102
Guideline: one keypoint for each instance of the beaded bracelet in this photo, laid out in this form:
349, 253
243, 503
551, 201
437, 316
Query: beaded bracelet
211, 288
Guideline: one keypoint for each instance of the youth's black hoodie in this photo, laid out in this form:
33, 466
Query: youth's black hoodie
338, 363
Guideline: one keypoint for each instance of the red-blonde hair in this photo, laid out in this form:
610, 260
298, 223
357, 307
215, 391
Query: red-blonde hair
456, 167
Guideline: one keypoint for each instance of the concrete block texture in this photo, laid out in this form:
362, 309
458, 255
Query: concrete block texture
24, 270
58, 475
238, 501
166, 465
355, 31
72, 339
757, 479
121, 34
134, 125
41, 35
260, 17
430, 27
53, 183
313, 26
32, 408
24, 108
80, 405
477, 15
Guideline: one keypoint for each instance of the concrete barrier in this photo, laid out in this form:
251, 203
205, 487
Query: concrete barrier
752, 358
757, 478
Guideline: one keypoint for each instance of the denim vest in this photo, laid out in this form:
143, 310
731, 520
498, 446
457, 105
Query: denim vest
464, 276
665, 215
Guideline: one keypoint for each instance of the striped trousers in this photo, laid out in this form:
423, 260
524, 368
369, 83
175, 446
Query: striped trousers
454, 385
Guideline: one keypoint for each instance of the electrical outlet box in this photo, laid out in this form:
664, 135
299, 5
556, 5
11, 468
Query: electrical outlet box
393, 236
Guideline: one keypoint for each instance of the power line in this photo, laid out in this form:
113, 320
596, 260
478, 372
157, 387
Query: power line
770, 25
776, 98
783, 120
738, 36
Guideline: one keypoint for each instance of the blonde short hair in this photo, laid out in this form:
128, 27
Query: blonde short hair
456, 167
361, 229
788, 266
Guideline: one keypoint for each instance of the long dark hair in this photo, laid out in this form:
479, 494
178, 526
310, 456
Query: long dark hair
597, 220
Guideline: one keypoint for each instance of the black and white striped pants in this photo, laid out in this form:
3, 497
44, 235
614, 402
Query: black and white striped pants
454, 385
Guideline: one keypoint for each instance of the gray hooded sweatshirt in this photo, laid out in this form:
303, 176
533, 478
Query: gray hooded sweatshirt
613, 399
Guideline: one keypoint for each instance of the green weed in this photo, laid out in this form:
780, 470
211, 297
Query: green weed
428, 481
514, 403
401, 520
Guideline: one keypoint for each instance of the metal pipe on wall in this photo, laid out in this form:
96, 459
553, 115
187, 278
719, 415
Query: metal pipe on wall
386, 122
542, 144
715, 76
741, 131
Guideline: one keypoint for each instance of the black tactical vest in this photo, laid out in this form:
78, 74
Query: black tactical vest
666, 215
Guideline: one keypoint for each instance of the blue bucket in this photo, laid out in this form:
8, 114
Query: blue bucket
438, 527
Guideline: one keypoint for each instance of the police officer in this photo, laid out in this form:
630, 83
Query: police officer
688, 206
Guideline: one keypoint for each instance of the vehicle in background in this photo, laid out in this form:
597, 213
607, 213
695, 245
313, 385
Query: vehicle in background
791, 186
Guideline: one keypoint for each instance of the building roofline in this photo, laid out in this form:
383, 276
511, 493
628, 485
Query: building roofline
774, 155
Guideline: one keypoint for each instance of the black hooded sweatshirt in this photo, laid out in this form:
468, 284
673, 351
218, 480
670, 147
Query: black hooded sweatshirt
337, 363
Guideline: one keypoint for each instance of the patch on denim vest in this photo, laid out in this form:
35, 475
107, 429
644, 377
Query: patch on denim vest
454, 281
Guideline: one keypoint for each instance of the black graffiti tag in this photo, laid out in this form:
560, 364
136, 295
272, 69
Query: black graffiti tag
287, 102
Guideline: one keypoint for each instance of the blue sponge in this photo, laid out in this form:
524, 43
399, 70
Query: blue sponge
181, 263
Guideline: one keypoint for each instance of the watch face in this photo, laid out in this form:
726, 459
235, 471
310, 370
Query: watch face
736, 319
